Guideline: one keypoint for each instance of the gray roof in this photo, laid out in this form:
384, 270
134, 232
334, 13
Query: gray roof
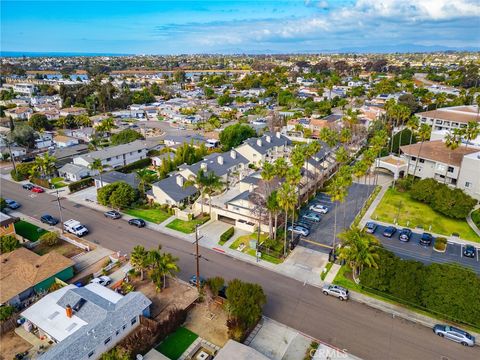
213, 164
103, 318
180, 139
274, 141
332, 117
131, 179
175, 191
113, 151
70, 151
72, 169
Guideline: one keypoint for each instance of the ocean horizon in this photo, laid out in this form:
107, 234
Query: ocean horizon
55, 54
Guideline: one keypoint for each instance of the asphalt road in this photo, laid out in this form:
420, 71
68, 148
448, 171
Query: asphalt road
361, 330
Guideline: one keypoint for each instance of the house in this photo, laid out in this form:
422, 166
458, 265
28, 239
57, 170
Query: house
17, 151
172, 140
25, 89
238, 351
66, 155
52, 114
85, 134
44, 140
24, 273
73, 172
6, 224
459, 168
116, 156
84, 322
172, 191
111, 177
455, 117
72, 111
64, 141
265, 148
19, 113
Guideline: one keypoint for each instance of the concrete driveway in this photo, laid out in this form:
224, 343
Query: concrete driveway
210, 233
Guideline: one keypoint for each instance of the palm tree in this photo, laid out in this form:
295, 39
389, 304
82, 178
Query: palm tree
329, 136
106, 125
62, 122
452, 142
97, 165
273, 208
166, 264
44, 165
412, 125
268, 174
337, 192
281, 167
139, 259
423, 135
287, 200
358, 250
200, 182
471, 131
341, 155
313, 148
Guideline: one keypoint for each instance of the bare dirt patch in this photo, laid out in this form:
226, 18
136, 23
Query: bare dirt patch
12, 344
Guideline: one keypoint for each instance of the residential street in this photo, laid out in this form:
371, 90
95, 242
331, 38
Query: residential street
362, 331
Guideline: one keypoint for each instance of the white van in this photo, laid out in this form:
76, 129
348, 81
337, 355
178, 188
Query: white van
74, 227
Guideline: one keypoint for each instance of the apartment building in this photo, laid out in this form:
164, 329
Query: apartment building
455, 117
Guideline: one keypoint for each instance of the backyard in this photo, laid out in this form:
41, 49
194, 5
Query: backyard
29, 231
408, 212
243, 244
188, 227
62, 247
176, 343
153, 215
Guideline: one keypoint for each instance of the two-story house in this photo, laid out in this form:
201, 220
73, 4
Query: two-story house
265, 148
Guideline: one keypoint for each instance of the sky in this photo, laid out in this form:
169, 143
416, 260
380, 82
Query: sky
245, 26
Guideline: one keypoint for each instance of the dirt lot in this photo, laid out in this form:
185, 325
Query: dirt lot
209, 321
177, 294
62, 247
11, 344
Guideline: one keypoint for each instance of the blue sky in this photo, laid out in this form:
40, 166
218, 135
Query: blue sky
216, 26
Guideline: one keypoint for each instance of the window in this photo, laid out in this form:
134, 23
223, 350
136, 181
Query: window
414, 158
421, 161
90, 354
139, 151
450, 169
108, 159
134, 321
468, 184
107, 341
117, 332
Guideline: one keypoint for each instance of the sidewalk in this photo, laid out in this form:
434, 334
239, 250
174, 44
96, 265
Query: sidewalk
471, 223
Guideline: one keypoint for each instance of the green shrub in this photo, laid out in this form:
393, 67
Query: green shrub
139, 164
81, 184
226, 235
40, 182
424, 190
50, 238
118, 195
6, 311
215, 284
23, 171
8, 243
440, 243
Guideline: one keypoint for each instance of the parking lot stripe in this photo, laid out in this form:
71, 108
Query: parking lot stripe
318, 244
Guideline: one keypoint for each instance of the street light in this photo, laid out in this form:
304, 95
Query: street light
60, 210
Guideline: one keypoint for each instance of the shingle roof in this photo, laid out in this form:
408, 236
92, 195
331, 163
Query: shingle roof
437, 151
213, 164
117, 150
174, 190
131, 179
72, 169
456, 114
267, 145
22, 269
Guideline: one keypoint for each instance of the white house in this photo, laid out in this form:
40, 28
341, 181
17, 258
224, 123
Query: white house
72, 172
64, 141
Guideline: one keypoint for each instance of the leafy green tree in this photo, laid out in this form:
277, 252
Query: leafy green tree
50, 238
180, 76
97, 165
23, 135
118, 195
115, 354
453, 203
234, 135
6, 311
39, 122
379, 278
209, 93
139, 259
424, 190
216, 284
245, 302
225, 99
143, 96
125, 136
44, 165
8, 243
106, 125
3, 204
404, 281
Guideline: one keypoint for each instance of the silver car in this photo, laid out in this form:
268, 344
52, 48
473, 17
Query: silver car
337, 291
454, 334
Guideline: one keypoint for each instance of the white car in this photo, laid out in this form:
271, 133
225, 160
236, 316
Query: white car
74, 227
319, 209
102, 280
299, 230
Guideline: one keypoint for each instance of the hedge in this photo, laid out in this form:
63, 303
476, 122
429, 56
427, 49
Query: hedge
81, 184
139, 164
226, 235
40, 182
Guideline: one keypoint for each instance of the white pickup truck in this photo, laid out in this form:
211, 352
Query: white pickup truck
74, 227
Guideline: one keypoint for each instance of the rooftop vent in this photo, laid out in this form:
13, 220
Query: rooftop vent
220, 160
233, 154
268, 138
259, 142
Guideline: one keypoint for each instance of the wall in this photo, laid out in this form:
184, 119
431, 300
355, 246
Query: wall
64, 275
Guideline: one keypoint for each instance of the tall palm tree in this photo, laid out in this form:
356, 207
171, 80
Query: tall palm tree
139, 259
268, 174
281, 167
44, 165
423, 135
329, 136
273, 207
471, 131
313, 148
166, 264
97, 165
287, 200
358, 250
341, 155
452, 142
412, 124
337, 192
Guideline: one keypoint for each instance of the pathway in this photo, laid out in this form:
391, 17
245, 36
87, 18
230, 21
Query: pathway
471, 223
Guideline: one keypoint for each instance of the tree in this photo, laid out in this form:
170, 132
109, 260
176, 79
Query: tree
97, 165
225, 99
106, 125
118, 195
50, 238
409, 101
179, 76
143, 96
3, 204
83, 121
452, 142
423, 135
115, 354
165, 265
216, 284
44, 165
8, 243
200, 182
337, 191
139, 259
125, 136
472, 130
281, 167
213, 184
358, 250
234, 135
39, 122
23, 135
287, 199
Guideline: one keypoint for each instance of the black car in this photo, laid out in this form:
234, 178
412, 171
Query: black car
28, 186
27, 159
112, 214
370, 227
405, 235
137, 222
48, 219
469, 251
426, 239
389, 231
303, 224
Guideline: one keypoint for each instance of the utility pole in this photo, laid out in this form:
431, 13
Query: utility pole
258, 236
60, 210
12, 159
197, 257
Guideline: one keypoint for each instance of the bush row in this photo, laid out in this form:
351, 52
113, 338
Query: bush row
226, 235
136, 165
81, 184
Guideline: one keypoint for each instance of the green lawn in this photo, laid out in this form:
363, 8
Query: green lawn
149, 214
245, 239
176, 343
58, 182
187, 227
29, 231
413, 213
476, 217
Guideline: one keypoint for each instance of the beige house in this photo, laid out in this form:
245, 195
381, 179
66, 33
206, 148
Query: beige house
172, 191
266, 148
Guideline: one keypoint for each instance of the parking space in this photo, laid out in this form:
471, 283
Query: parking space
412, 250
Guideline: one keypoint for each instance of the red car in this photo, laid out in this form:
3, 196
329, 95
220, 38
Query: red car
37, 189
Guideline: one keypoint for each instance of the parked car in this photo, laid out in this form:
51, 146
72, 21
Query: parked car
426, 239
48, 219
27, 159
193, 280
74, 227
296, 229
112, 214
405, 235
12, 204
469, 251
303, 224
37, 189
319, 208
370, 227
102, 280
389, 231
337, 291
454, 334
28, 186
311, 216
137, 222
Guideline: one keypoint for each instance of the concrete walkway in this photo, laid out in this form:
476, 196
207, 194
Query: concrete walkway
471, 223
84, 260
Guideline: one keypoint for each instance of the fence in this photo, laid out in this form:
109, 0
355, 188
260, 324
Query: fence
9, 325
76, 243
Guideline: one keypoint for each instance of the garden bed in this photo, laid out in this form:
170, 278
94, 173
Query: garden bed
188, 227
62, 247
242, 244
29, 231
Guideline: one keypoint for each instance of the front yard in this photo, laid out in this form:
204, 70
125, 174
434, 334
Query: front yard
412, 213
62, 247
29, 231
188, 227
243, 244
153, 215
58, 182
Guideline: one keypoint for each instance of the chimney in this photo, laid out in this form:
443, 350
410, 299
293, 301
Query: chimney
268, 138
259, 142
220, 160
69, 311
233, 154
180, 180
203, 166
277, 134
